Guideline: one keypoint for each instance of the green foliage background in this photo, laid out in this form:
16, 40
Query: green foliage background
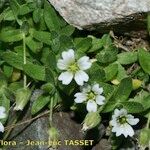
32, 38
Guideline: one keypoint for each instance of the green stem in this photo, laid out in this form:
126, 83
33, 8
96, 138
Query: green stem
24, 61
51, 112
100, 109
9, 131
148, 122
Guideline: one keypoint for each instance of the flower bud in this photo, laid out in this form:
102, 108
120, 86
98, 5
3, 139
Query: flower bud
144, 139
136, 83
22, 98
15, 75
91, 120
53, 134
115, 82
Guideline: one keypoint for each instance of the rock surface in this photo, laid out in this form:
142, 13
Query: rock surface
103, 14
37, 131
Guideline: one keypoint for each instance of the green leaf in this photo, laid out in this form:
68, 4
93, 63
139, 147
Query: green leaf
68, 30
144, 59
24, 9
96, 44
11, 35
111, 71
8, 70
62, 43
42, 36
124, 90
15, 8
109, 107
51, 60
121, 72
49, 76
40, 103
33, 45
142, 97
106, 40
37, 15
51, 18
13, 59
107, 55
133, 107
48, 87
14, 86
83, 44
96, 73
35, 71
44, 54
108, 89
9, 16
126, 58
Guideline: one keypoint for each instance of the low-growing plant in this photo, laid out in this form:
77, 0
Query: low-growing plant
85, 74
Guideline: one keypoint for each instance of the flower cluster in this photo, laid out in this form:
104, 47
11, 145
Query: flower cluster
2, 116
121, 123
75, 69
91, 95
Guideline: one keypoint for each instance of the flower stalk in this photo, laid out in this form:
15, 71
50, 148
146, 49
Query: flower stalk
24, 60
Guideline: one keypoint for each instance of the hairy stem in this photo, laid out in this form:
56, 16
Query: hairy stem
51, 112
24, 61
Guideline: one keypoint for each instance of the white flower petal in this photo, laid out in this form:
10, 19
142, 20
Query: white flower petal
121, 112
131, 120
116, 112
80, 77
115, 129
1, 127
96, 89
80, 97
100, 99
68, 55
124, 128
86, 88
128, 130
91, 106
62, 65
84, 63
2, 112
65, 77
119, 130
113, 122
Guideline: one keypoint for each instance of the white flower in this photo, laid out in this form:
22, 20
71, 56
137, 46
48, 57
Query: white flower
73, 69
91, 95
121, 123
2, 116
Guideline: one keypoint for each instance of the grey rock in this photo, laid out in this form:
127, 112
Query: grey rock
103, 145
103, 14
37, 131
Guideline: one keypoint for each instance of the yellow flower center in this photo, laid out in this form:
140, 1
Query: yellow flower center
91, 96
122, 119
74, 67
